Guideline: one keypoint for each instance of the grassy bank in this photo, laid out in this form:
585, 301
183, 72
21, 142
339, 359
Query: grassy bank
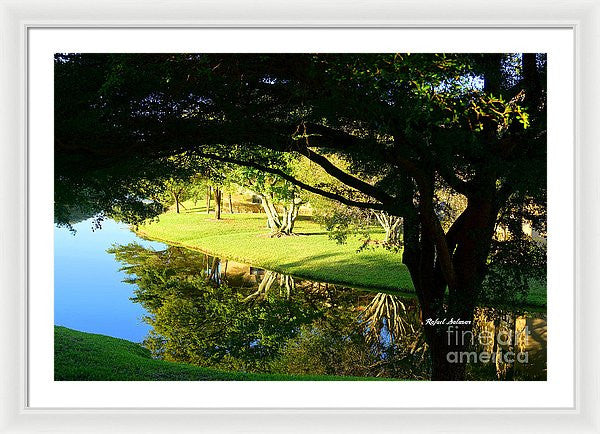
80, 356
311, 254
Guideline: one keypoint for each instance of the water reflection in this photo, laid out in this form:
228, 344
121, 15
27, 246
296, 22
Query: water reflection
516, 342
390, 320
225, 314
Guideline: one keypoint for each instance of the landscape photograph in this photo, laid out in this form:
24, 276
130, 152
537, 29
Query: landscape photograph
300, 217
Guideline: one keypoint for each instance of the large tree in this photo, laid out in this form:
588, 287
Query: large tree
417, 124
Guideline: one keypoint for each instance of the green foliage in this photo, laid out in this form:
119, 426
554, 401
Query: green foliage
336, 346
341, 222
200, 320
266, 184
215, 328
166, 103
328, 348
517, 266
518, 269
196, 322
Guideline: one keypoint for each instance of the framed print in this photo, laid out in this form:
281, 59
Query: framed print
339, 219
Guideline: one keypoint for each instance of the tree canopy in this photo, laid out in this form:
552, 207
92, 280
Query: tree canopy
406, 126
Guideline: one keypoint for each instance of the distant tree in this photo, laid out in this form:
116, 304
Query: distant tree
178, 191
281, 200
392, 225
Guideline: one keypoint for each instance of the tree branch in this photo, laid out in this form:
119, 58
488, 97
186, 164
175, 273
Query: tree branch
453, 180
321, 136
432, 225
282, 174
346, 178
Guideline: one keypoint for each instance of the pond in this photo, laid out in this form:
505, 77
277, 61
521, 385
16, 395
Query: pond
89, 293
191, 307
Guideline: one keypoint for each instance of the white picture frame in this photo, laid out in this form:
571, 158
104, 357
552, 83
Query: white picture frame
19, 17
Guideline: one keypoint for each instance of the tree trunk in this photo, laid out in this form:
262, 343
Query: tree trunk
468, 240
208, 191
450, 353
280, 225
274, 215
392, 226
290, 213
214, 274
230, 205
218, 194
272, 221
176, 198
286, 224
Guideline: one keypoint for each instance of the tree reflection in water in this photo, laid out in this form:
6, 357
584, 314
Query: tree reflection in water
286, 283
388, 316
228, 315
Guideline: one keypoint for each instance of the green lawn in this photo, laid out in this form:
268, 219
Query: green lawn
80, 356
311, 254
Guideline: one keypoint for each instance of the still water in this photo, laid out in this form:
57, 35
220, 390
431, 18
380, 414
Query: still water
191, 307
89, 293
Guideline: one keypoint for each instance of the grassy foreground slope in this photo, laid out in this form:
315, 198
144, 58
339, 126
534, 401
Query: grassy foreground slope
311, 254
80, 356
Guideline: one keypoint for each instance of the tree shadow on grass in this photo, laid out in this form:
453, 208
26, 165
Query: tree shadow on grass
305, 234
315, 258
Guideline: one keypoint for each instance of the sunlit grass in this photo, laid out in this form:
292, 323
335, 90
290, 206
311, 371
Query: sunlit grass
310, 254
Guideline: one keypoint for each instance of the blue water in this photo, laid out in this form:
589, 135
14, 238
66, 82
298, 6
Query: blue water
89, 294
